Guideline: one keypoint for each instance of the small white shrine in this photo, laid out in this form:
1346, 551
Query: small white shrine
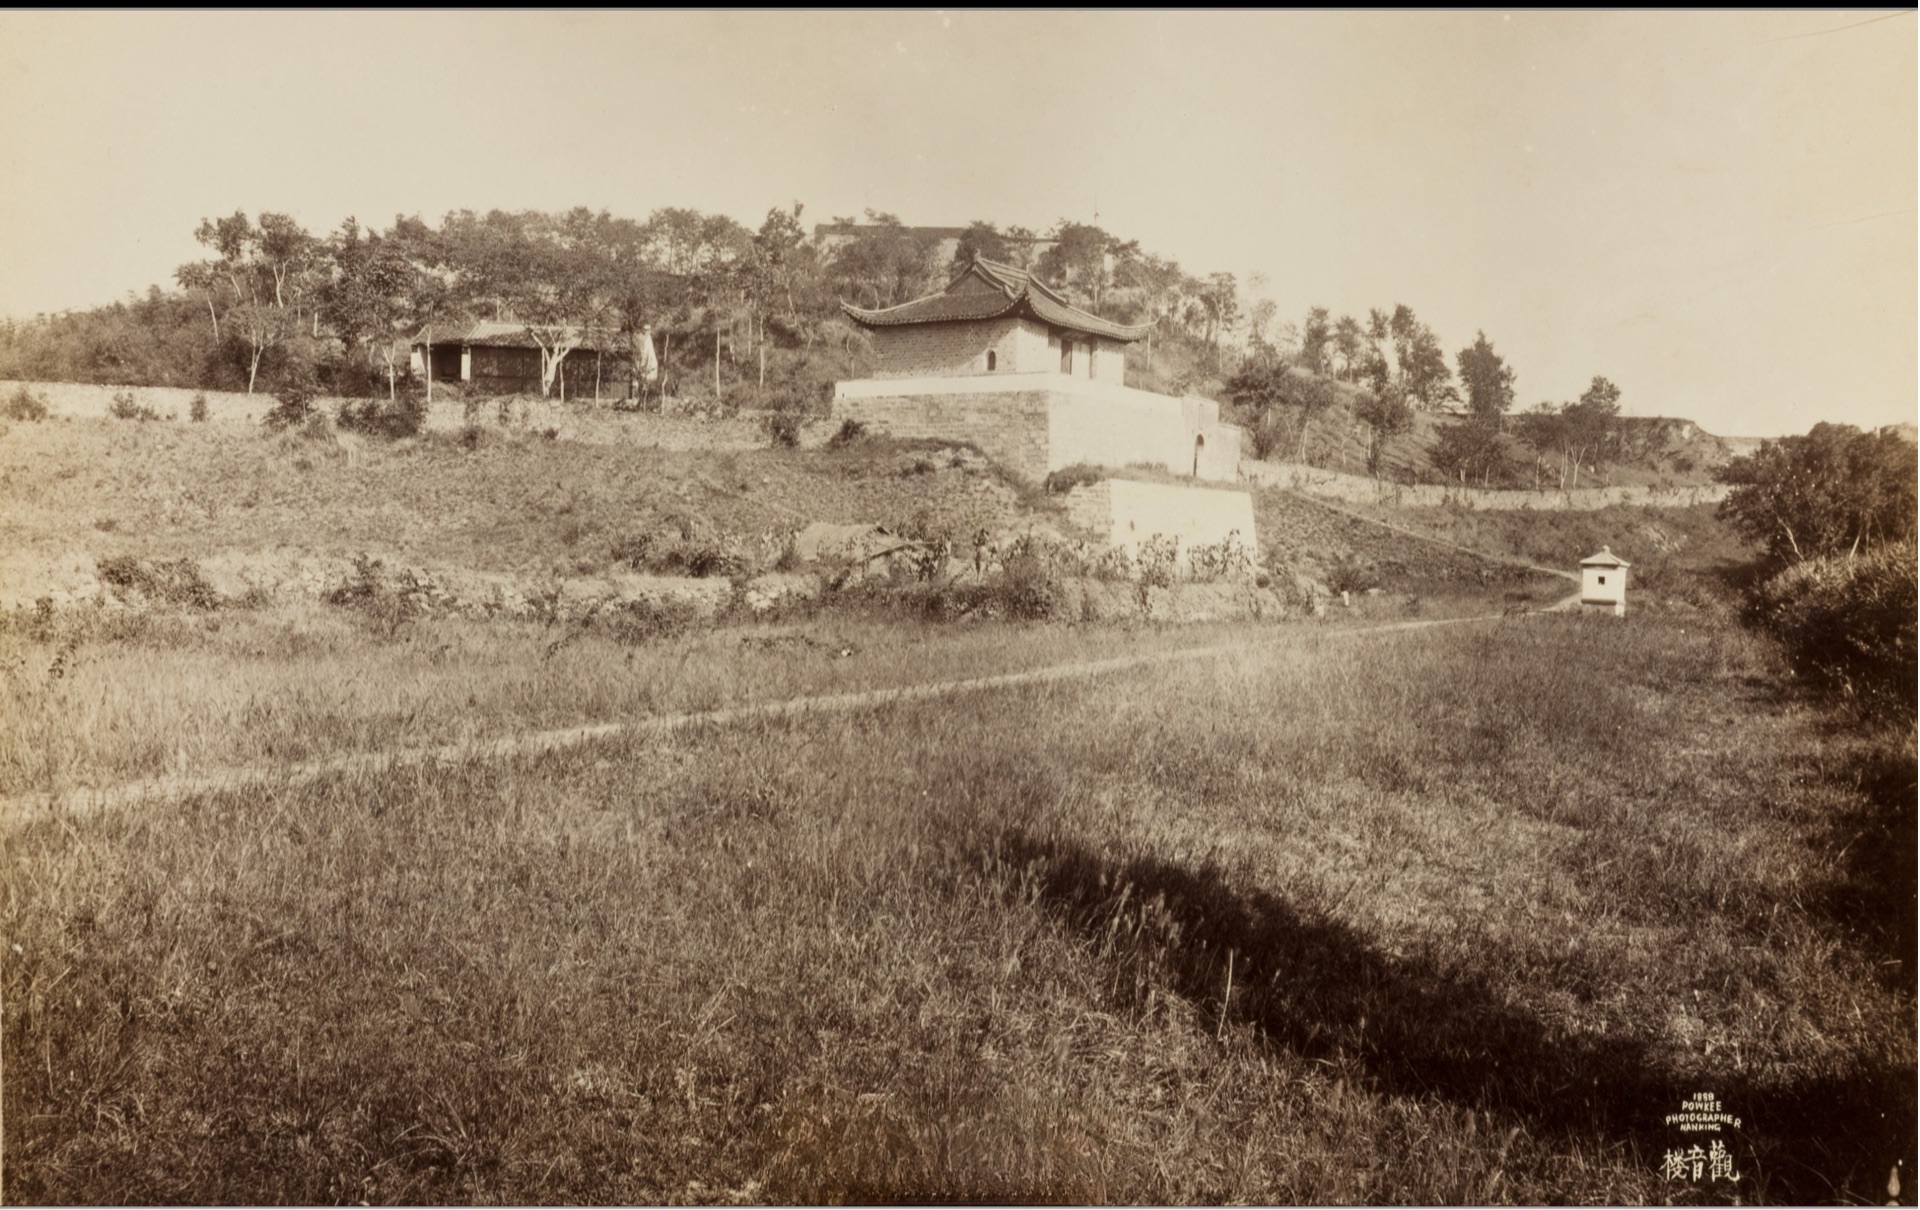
1603, 582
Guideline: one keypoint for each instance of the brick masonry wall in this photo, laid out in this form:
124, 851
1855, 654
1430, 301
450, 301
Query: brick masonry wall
1090, 506
936, 350
1009, 426
1033, 348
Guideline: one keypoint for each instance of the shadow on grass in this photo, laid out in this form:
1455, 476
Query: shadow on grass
1874, 899
1318, 988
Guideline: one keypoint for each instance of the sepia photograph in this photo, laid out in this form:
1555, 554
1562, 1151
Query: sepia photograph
1076, 607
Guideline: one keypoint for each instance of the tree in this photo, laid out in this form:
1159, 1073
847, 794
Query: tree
886, 264
1385, 411
377, 296
1076, 262
1019, 246
1348, 356
201, 280
1316, 341
1487, 378
1218, 304
980, 241
1268, 392
1591, 423
285, 253
1419, 363
1469, 449
1836, 490
251, 274
777, 263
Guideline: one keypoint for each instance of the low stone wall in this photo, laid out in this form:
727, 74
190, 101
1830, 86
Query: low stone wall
1127, 513
1357, 489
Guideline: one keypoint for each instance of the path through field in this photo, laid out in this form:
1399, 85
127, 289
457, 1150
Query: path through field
20, 807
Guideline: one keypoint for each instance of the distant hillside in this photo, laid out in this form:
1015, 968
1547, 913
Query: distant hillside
1667, 452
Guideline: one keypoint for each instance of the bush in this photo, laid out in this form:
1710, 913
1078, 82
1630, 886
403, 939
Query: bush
1352, 574
643, 621
197, 409
685, 555
1064, 480
783, 429
384, 606
403, 417
850, 431
293, 402
24, 405
127, 406
178, 582
1848, 625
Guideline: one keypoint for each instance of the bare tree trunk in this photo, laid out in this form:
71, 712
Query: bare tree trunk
215, 317
716, 364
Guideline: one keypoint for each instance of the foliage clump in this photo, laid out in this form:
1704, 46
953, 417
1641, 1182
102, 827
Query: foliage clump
175, 582
24, 405
127, 406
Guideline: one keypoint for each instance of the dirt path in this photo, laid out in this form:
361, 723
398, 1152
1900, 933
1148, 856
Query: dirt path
21, 808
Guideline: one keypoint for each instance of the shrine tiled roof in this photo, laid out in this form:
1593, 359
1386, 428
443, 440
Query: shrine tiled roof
1009, 291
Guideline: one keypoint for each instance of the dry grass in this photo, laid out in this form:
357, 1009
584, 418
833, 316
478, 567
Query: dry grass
94, 699
1493, 899
506, 502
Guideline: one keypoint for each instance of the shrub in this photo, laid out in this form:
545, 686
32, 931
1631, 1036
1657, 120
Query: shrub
1064, 480
850, 431
644, 621
1228, 559
197, 408
402, 417
127, 406
1158, 561
385, 607
24, 405
1352, 574
179, 582
293, 402
783, 429
686, 555
1848, 624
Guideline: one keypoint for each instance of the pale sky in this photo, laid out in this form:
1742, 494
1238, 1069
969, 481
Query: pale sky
1715, 210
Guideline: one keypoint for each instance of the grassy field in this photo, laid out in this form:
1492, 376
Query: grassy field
97, 699
1449, 916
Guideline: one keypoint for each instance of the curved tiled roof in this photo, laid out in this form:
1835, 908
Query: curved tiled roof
1014, 292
